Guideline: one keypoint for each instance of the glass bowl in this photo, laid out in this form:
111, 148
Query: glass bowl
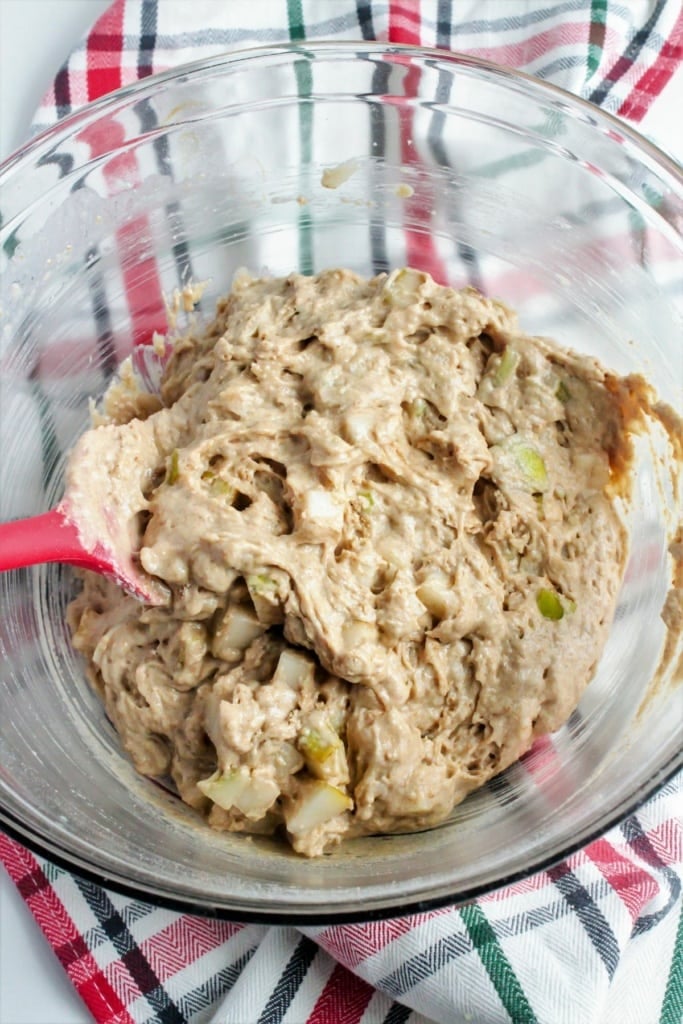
477, 174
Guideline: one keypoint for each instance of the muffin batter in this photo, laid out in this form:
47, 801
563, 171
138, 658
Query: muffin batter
387, 525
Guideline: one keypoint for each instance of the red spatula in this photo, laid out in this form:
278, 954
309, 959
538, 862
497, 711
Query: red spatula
97, 524
56, 537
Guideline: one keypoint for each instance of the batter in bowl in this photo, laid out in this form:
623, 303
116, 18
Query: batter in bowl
388, 523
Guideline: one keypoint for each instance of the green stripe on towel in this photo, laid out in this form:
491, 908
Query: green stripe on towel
498, 967
672, 1006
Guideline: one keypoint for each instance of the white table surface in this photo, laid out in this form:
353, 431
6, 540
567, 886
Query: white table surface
35, 36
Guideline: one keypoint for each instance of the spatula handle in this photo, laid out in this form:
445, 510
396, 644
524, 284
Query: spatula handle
45, 538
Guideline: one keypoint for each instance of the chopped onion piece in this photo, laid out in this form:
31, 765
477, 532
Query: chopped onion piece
357, 426
319, 504
316, 803
357, 632
287, 759
293, 669
238, 628
252, 795
257, 797
435, 597
402, 287
224, 789
392, 550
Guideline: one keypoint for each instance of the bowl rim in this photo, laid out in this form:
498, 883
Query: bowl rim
96, 108
74, 864
15, 163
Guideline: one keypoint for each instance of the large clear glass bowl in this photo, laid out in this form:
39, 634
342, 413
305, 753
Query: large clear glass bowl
480, 175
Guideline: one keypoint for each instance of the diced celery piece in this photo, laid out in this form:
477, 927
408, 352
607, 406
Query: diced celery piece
172, 470
261, 583
506, 367
221, 488
562, 392
549, 604
316, 803
264, 591
218, 487
367, 499
317, 747
534, 467
323, 749
523, 461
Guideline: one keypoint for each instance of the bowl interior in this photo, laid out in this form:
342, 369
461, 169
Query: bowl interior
480, 176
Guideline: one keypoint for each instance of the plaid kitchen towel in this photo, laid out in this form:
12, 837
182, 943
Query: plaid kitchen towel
597, 939
625, 56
